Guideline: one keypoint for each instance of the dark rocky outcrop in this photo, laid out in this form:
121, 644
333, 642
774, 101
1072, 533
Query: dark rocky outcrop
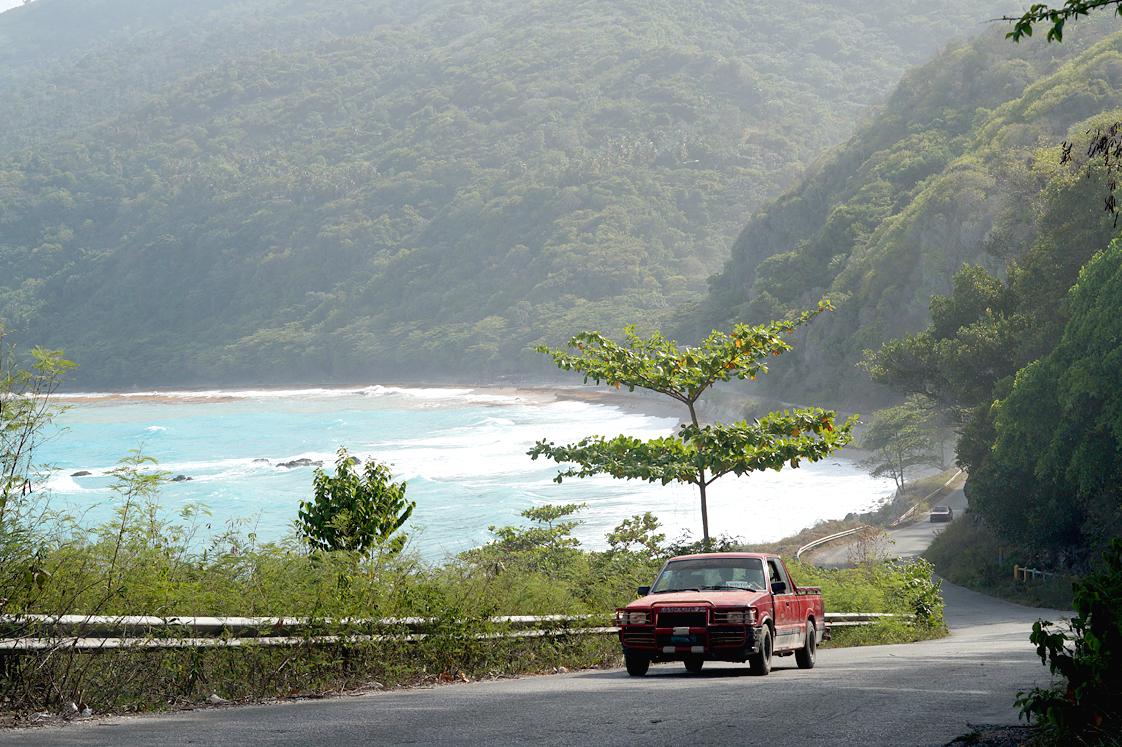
302, 462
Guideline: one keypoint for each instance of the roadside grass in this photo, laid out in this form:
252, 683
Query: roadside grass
122, 681
967, 555
879, 585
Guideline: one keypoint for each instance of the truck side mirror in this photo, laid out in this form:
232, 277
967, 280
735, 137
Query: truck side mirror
644, 591
778, 587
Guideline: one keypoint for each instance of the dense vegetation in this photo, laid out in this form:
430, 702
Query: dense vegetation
956, 168
289, 190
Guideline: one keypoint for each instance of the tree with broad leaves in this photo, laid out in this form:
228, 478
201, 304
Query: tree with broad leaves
900, 438
696, 455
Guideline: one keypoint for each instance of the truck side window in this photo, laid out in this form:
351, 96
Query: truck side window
777, 575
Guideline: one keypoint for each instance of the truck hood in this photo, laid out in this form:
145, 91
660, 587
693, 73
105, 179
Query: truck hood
732, 598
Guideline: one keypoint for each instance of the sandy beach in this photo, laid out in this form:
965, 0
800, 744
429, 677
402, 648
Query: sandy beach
647, 403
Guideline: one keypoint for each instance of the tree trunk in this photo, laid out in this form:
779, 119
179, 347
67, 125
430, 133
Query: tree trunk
704, 512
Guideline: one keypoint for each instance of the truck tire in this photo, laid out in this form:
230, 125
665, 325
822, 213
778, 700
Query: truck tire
636, 665
694, 663
760, 663
806, 656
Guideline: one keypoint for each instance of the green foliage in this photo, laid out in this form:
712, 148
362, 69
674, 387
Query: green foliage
26, 413
696, 455
658, 365
1063, 491
547, 541
961, 167
968, 554
905, 589
1084, 707
682, 545
355, 512
701, 455
1057, 17
639, 531
900, 438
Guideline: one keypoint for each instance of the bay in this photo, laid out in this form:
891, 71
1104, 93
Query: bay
462, 451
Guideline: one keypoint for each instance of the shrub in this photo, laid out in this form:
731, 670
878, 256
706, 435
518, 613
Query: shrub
1085, 707
354, 512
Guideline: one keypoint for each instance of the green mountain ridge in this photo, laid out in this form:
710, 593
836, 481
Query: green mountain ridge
429, 189
952, 170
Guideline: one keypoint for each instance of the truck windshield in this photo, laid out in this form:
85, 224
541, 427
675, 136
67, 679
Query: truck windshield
710, 573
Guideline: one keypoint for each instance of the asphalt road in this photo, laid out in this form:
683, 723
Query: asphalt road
909, 695
910, 541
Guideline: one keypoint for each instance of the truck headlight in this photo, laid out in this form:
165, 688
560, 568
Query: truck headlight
623, 617
735, 617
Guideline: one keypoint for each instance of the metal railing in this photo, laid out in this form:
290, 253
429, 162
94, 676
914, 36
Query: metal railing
43, 632
1020, 573
824, 540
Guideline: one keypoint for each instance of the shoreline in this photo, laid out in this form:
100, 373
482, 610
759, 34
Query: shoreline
658, 406
642, 402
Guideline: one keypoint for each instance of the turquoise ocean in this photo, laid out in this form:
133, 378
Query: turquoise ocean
462, 451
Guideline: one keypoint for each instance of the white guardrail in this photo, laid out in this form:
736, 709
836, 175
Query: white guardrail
824, 540
147, 632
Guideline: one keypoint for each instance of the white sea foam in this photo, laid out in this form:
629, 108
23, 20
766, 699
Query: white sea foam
463, 456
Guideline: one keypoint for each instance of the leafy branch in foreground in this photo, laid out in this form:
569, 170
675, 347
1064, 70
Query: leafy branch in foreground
26, 410
1058, 17
1083, 708
696, 455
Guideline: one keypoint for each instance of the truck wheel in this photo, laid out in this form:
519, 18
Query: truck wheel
636, 666
806, 655
694, 663
761, 663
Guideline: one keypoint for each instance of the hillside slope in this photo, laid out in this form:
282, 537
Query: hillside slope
952, 170
297, 190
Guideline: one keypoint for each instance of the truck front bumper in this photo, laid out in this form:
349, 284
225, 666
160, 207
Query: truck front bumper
720, 643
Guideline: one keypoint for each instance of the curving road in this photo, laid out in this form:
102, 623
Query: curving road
922, 695
910, 541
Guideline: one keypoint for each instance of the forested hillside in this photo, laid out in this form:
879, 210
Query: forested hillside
959, 166
294, 190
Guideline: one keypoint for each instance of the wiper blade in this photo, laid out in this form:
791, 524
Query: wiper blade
670, 591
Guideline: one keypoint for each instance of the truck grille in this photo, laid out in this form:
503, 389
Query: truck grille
639, 638
681, 619
719, 638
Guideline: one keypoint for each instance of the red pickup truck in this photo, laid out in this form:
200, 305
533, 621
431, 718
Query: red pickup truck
722, 607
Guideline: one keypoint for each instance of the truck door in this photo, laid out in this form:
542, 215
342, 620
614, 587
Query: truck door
787, 622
